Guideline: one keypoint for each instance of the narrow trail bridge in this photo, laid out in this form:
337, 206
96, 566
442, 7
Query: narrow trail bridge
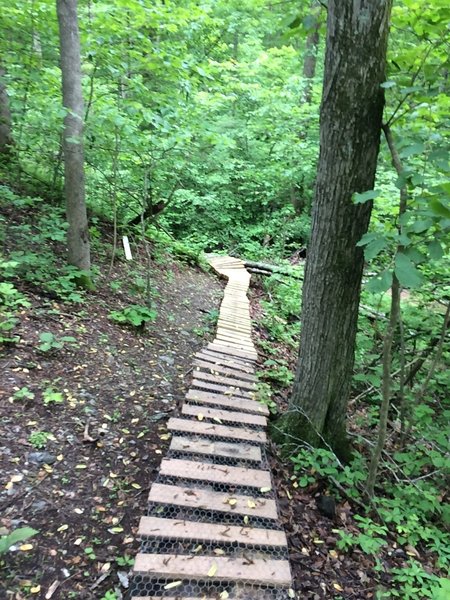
212, 530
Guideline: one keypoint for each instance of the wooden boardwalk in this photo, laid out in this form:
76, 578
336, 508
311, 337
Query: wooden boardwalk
212, 529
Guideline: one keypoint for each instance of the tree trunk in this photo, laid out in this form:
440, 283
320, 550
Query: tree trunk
69, 40
309, 64
350, 126
6, 138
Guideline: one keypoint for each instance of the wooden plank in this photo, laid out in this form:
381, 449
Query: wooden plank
179, 566
199, 471
236, 340
224, 349
231, 391
157, 527
173, 495
224, 380
218, 369
237, 335
215, 448
235, 329
224, 359
252, 406
235, 343
224, 415
234, 325
212, 430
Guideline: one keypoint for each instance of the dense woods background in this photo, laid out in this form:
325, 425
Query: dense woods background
197, 130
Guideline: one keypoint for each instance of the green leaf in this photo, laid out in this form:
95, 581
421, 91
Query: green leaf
417, 148
435, 250
46, 336
388, 84
374, 248
406, 272
380, 283
421, 225
439, 208
360, 198
18, 535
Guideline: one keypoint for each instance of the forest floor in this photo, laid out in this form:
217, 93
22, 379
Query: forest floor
81, 446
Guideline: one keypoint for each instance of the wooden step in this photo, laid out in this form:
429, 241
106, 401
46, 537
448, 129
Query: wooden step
224, 349
238, 341
223, 415
235, 335
223, 380
223, 359
197, 498
252, 406
213, 430
220, 568
156, 527
221, 370
205, 446
227, 390
199, 471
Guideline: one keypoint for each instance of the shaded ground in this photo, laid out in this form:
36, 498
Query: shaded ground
78, 469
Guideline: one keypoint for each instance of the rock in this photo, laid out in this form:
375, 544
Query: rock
39, 506
326, 506
41, 458
167, 359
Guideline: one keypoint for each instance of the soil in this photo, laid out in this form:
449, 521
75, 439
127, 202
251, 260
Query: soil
107, 429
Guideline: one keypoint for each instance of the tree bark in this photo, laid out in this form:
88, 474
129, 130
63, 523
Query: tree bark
69, 41
6, 138
350, 126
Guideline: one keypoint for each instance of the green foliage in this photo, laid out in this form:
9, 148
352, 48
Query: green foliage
50, 342
39, 439
18, 535
135, 316
23, 394
51, 396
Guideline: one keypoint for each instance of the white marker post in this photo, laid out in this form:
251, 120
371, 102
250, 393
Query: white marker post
126, 247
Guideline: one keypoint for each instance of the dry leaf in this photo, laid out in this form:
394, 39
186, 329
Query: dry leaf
26, 547
172, 585
213, 570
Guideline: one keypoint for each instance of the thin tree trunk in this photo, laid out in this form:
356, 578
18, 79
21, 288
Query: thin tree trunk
394, 317
78, 232
6, 138
386, 386
310, 61
351, 118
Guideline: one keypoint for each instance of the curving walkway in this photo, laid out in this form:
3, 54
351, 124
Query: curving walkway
212, 530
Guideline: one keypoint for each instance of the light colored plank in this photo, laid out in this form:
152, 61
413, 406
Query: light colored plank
237, 335
179, 566
225, 359
199, 471
252, 406
227, 390
224, 380
211, 532
263, 508
224, 349
210, 429
239, 338
224, 415
215, 448
217, 368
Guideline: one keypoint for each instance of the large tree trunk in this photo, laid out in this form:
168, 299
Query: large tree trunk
350, 126
69, 39
6, 138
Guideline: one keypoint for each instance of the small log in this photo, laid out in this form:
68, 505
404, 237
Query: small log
268, 269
